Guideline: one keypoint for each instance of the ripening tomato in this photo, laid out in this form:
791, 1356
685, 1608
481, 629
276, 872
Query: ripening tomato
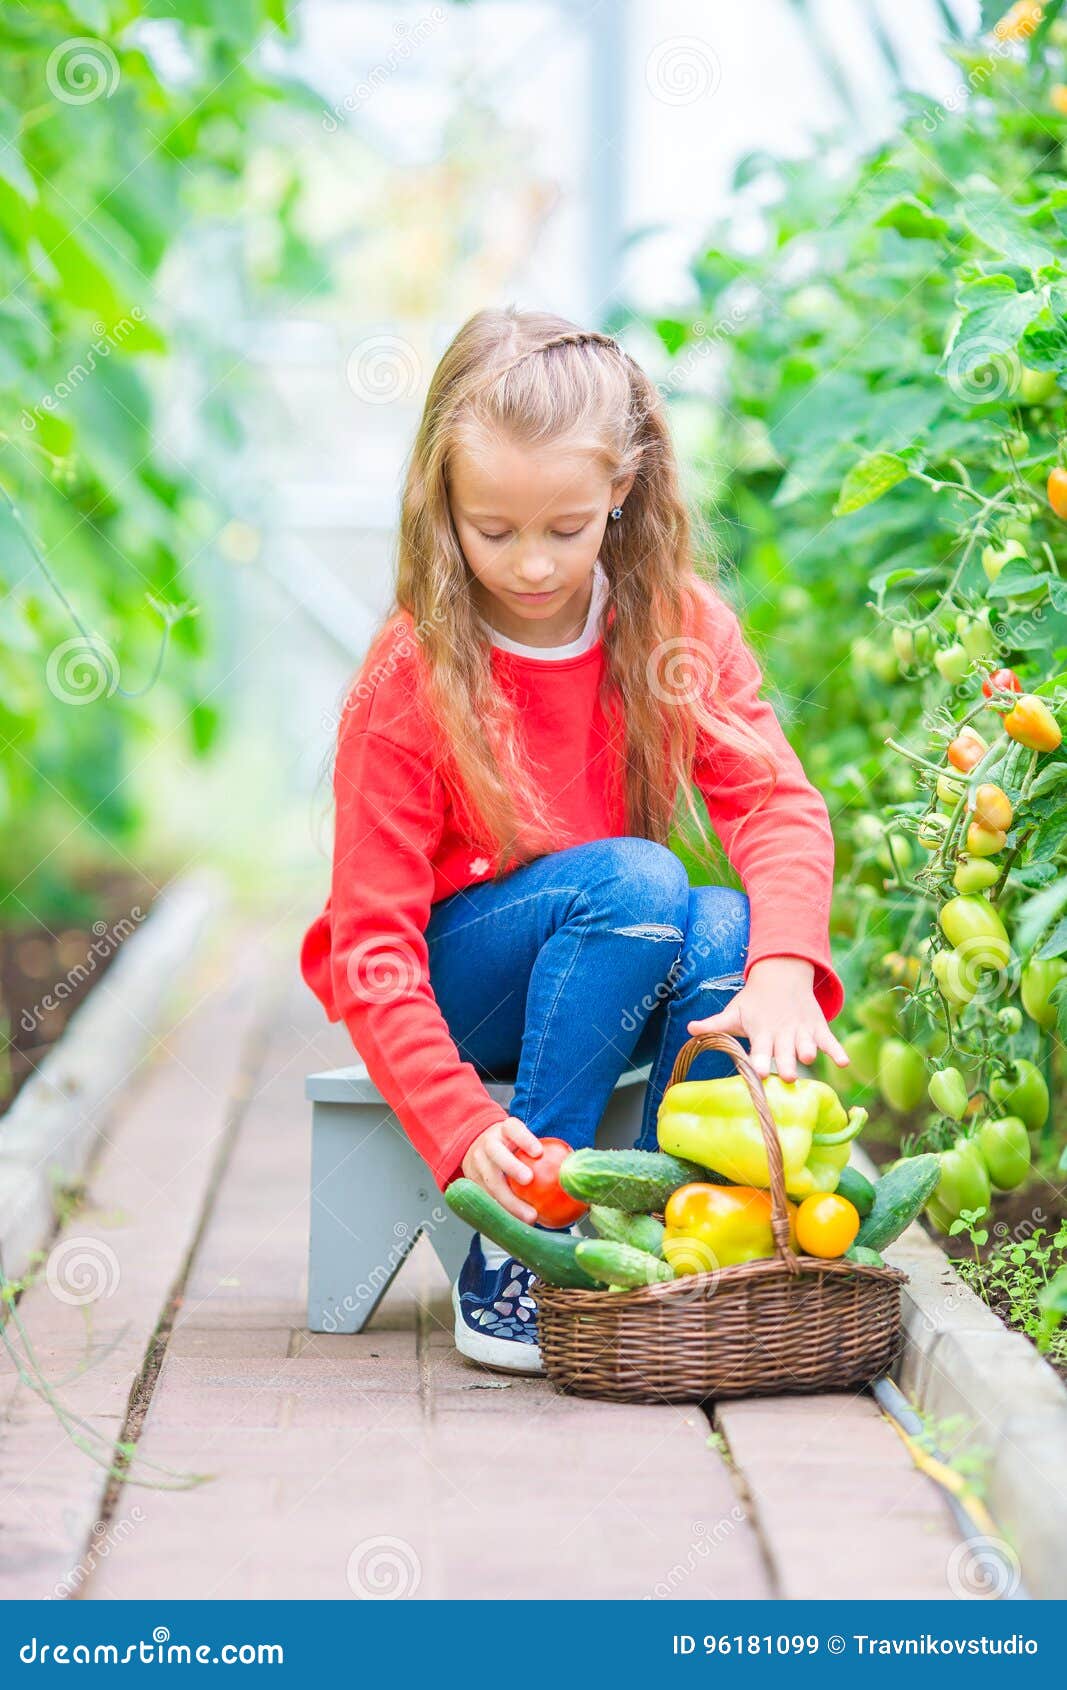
984, 841
826, 1225
992, 807
967, 750
555, 1207
1057, 492
1001, 680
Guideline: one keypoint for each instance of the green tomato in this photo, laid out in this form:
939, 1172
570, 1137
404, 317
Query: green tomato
878, 1013
904, 645
1018, 526
1005, 1151
901, 1075
964, 1182
940, 1216
995, 557
948, 1093
952, 663
1022, 1091
976, 931
862, 1049
958, 986
1010, 1020
975, 635
975, 874
1036, 987
950, 789
1036, 386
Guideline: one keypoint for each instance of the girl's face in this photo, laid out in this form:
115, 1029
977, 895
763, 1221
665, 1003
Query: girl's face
530, 521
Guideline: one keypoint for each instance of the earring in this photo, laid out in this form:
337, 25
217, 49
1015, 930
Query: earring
617, 512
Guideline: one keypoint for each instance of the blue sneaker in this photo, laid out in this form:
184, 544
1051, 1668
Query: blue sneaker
496, 1317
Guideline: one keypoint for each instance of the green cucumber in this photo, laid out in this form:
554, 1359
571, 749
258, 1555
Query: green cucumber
637, 1181
552, 1256
621, 1264
644, 1232
898, 1197
860, 1253
859, 1191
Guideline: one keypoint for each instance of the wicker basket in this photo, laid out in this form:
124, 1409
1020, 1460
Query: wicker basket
788, 1323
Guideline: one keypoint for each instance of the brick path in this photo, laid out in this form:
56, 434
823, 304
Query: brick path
382, 1463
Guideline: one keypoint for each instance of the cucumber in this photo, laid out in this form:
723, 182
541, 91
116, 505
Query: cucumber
637, 1181
860, 1253
859, 1191
644, 1232
552, 1256
621, 1264
898, 1197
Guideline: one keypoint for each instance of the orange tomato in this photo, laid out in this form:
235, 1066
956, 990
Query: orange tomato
992, 808
826, 1225
967, 749
1032, 724
1057, 492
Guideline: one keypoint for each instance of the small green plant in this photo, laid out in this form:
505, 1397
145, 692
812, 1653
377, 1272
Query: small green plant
1025, 1281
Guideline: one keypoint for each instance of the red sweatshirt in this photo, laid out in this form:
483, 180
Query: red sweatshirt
399, 846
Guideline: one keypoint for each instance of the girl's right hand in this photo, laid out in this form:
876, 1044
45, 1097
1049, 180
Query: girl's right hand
491, 1158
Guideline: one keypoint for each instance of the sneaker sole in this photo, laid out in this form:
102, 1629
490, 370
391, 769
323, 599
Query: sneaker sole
503, 1355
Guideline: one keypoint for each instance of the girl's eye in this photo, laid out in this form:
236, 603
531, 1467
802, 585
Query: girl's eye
572, 535
492, 536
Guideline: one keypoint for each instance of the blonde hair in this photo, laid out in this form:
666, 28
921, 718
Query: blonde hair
535, 378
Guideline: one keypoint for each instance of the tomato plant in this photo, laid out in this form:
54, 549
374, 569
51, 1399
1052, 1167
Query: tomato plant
927, 684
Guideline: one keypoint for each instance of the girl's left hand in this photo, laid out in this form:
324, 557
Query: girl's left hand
776, 1010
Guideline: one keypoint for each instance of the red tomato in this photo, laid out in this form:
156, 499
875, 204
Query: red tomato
1001, 680
555, 1207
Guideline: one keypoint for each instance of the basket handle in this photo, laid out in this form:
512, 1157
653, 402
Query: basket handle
739, 1057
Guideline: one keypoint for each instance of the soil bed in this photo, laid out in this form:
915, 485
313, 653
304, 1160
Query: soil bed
47, 968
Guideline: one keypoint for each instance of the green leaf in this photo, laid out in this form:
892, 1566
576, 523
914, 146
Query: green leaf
1017, 578
1001, 226
869, 480
1055, 945
1048, 779
913, 219
1049, 838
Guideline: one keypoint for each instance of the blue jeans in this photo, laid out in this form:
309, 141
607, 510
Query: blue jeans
581, 965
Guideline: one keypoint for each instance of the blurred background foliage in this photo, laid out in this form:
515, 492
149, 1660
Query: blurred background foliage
131, 146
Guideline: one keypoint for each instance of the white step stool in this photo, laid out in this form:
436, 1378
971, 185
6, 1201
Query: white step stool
372, 1194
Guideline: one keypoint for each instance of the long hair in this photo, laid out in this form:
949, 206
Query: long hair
535, 378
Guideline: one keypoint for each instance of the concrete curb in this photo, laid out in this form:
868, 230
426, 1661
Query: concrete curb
961, 1363
49, 1134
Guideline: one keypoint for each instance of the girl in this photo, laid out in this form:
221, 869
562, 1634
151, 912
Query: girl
555, 678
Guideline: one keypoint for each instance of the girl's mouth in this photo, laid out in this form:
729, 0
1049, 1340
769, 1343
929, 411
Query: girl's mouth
536, 598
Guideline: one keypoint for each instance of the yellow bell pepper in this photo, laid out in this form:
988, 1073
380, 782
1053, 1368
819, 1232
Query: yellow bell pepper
714, 1123
716, 1226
